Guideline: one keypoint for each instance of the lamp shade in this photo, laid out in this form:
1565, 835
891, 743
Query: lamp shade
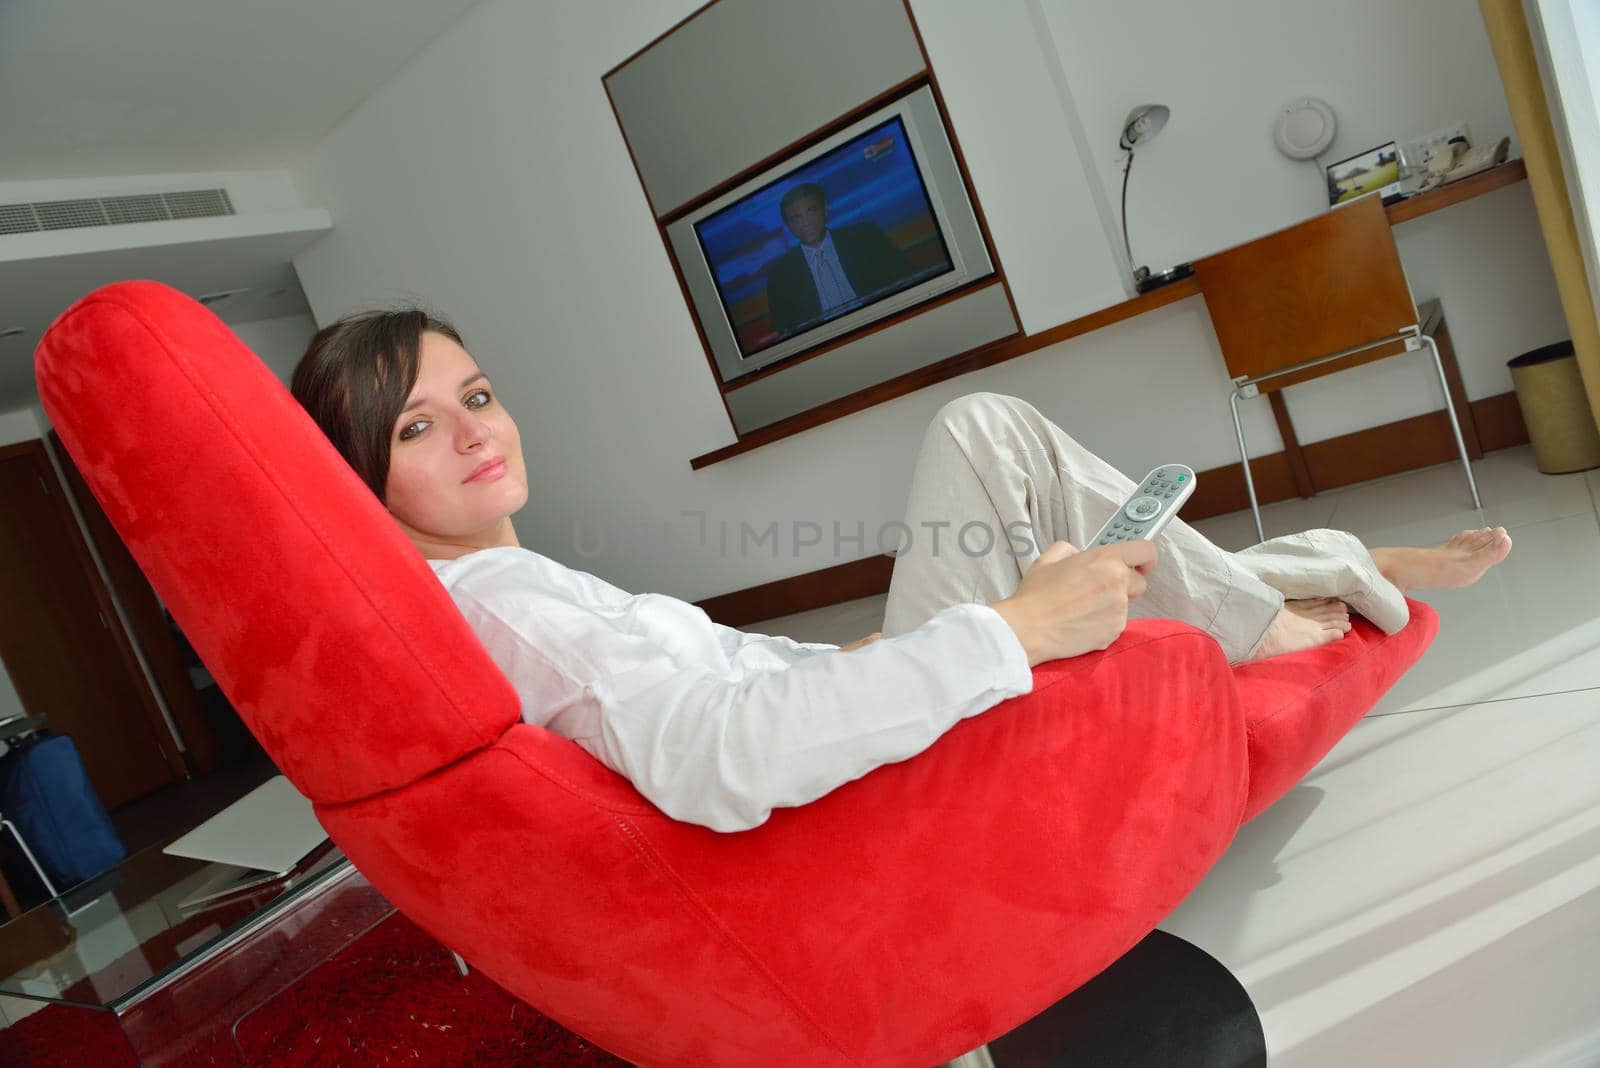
1143, 123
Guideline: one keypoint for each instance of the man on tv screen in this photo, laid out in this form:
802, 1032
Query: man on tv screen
832, 270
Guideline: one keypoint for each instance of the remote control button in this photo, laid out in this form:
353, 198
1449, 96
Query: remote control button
1142, 508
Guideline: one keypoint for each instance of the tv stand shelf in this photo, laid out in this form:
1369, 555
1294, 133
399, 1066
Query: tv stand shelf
1434, 200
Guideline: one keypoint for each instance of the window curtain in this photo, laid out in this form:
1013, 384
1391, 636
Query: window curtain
1514, 54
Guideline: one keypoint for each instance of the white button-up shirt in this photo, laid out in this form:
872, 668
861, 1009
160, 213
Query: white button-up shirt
833, 288
713, 725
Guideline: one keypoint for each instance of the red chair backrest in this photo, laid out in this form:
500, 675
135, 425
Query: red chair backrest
250, 526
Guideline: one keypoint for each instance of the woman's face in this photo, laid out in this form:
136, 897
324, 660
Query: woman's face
456, 473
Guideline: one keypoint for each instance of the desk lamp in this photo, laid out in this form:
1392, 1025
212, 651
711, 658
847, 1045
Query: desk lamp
1142, 124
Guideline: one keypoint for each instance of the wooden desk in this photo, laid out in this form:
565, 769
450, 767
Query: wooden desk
1505, 174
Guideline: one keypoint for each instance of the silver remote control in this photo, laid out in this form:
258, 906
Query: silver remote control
1149, 508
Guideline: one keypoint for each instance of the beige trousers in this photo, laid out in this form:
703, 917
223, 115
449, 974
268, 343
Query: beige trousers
996, 483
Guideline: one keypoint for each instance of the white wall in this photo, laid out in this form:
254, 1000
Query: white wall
279, 342
1020, 134
18, 425
1213, 179
10, 703
489, 179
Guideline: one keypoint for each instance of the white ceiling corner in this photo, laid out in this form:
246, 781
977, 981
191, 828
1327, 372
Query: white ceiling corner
101, 88
90, 88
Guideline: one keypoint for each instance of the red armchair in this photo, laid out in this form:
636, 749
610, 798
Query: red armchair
903, 919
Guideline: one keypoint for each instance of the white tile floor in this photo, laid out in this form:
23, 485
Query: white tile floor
1430, 894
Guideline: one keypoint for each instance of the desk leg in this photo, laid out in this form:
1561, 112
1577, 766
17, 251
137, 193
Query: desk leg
1291, 446
1455, 425
1458, 391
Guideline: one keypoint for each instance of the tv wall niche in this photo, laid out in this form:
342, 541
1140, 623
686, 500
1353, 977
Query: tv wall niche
812, 199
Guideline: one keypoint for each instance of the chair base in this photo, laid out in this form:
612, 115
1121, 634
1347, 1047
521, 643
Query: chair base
1165, 1002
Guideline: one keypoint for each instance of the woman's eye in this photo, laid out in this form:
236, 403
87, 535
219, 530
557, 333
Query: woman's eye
478, 399
412, 429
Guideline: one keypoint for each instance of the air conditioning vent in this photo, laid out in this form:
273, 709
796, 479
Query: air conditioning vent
71, 214
145, 208
198, 205
17, 219
114, 211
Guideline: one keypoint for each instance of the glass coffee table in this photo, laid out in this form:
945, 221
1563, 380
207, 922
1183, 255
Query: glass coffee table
134, 949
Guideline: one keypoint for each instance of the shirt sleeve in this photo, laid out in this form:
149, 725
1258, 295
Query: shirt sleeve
712, 748
738, 644
724, 753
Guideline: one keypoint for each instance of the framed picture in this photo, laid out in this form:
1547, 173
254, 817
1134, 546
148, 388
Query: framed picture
1370, 172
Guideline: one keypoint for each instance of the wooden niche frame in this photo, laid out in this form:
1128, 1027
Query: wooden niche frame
879, 392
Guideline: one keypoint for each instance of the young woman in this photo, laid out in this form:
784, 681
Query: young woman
718, 727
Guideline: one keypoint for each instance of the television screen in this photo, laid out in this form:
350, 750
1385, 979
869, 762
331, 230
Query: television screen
841, 232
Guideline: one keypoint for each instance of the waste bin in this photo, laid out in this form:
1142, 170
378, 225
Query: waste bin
1556, 409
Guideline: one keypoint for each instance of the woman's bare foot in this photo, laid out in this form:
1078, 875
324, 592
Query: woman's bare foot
1328, 610
1304, 625
1461, 561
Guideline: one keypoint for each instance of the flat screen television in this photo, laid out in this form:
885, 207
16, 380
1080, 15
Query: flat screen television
867, 222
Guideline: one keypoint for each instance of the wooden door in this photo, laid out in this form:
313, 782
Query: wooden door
57, 635
147, 620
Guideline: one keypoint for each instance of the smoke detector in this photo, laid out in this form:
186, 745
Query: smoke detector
1304, 129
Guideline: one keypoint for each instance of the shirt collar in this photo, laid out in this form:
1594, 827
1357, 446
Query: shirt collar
824, 247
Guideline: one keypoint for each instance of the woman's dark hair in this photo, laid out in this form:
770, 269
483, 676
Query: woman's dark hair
354, 380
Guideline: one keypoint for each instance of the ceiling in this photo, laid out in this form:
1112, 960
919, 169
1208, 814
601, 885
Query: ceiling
92, 88
104, 88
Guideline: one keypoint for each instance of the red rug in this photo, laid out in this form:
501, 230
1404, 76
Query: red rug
392, 997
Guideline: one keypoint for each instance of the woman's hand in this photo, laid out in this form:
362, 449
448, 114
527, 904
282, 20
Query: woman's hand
859, 642
1072, 602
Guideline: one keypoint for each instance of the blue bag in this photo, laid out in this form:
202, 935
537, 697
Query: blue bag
45, 792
